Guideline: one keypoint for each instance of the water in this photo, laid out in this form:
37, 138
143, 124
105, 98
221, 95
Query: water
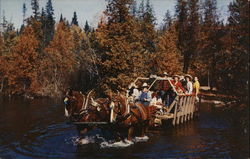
38, 129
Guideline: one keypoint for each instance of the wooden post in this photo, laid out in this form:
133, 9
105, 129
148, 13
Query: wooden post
189, 107
175, 110
183, 108
186, 108
180, 107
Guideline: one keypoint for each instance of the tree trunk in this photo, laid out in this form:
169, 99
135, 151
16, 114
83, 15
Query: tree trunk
2, 85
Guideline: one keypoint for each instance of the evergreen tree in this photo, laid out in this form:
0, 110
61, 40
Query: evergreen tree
61, 18
238, 47
49, 22
187, 13
121, 56
133, 8
147, 24
167, 21
74, 20
87, 27
24, 12
209, 32
35, 8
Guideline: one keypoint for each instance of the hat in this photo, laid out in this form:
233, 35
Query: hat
189, 76
144, 85
165, 73
176, 76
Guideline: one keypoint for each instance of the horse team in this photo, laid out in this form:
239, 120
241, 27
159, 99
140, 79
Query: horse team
120, 116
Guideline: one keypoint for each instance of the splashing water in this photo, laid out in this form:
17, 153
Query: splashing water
141, 139
119, 144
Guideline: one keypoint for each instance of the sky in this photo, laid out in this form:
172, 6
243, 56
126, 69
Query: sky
90, 10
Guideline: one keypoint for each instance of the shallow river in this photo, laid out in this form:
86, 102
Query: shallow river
38, 129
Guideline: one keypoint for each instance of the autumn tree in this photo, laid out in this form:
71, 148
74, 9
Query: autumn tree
22, 72
167, 57
59, 61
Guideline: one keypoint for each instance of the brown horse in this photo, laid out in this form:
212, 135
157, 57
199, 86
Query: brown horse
134, 118
79, 108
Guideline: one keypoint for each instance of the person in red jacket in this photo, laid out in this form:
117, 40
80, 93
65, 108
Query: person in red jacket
164, 88
177, 84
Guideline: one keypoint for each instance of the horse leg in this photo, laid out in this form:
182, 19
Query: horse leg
130, 133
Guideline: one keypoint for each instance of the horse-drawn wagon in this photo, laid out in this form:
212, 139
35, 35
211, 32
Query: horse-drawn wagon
118, 111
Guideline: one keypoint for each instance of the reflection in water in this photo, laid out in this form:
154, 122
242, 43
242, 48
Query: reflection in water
38, 129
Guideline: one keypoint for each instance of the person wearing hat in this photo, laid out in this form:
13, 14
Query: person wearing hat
164, 87
189, 84
145, 96
177, 84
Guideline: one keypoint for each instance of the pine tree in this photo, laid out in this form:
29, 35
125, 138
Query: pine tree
167, 21
188, 28
121, 56
209, 51
61, 18
238, 47
24, 12
74, 20
49, 23
87, 27
35, 8
147, 26
133, 8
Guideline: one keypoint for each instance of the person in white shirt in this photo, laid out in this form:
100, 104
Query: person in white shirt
134, 92
189, 85
156, 100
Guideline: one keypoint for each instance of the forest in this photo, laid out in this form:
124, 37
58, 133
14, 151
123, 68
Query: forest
45, 57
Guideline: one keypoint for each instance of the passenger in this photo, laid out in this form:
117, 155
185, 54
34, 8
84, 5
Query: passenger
183, 82
196, 87
134, 92
177, 84
156, 100
164, 89
145, 96
189, 85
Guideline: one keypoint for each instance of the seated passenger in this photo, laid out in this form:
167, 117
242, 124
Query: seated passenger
134, 92
145, 96
177, 84
156, 100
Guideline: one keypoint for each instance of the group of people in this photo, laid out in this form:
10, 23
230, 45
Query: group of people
166, 90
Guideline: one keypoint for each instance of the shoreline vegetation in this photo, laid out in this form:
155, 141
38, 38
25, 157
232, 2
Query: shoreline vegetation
45, 57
